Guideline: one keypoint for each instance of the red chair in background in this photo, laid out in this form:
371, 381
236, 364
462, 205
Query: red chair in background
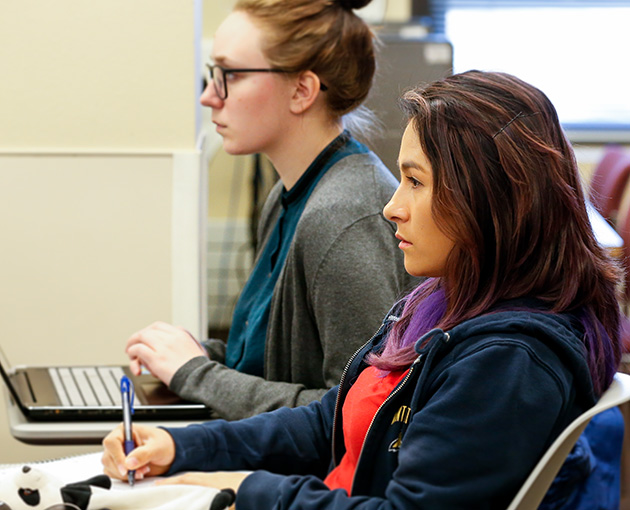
624, 232
623, 227
609, 182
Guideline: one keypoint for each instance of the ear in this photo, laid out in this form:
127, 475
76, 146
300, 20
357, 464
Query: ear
307, 89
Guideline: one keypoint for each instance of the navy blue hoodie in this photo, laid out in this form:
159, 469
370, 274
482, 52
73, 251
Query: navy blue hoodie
480, 405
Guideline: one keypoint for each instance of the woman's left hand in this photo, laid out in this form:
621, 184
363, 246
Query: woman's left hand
163, 349
218, 480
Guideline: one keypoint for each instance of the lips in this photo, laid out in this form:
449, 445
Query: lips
403, 242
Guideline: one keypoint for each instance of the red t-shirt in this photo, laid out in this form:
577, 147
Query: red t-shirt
364, 398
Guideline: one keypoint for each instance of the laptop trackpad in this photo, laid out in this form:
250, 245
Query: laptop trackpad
156, 393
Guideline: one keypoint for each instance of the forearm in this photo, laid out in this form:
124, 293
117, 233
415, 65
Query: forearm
234, 395
285, 441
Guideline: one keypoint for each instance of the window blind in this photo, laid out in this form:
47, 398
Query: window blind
437, 9
573, 50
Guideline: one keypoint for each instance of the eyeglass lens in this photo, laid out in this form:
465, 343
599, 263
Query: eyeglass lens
215, 74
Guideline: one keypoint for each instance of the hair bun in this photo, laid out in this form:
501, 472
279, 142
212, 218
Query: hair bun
353, 4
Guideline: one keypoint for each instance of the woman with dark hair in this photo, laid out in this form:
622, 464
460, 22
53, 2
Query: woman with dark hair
511, 197
472, 376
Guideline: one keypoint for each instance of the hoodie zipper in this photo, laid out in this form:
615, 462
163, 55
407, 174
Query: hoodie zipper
389, 397
341, 381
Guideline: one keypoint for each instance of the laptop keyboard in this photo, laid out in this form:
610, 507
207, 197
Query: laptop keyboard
87, 386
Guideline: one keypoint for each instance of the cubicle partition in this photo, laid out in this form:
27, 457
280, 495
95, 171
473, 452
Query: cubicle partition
102, 180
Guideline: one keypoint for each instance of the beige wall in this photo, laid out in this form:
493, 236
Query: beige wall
213, 13
98, 74
101, 208
100, 180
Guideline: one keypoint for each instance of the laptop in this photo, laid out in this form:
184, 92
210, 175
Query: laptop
92, 393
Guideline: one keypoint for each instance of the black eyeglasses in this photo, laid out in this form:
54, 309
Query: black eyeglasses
216, 75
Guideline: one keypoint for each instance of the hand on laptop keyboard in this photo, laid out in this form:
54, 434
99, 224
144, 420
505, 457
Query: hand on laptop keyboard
162, 349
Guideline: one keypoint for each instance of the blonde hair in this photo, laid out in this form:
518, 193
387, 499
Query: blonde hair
323, 36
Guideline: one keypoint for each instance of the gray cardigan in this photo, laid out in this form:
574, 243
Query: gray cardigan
342, 273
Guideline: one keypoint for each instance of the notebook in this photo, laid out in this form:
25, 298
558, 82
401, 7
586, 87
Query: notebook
74, 393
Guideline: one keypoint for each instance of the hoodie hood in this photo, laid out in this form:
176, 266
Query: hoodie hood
561, 333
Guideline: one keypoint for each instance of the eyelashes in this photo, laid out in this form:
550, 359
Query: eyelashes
415, 183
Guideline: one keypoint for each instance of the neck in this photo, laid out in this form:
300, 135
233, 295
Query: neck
300, 147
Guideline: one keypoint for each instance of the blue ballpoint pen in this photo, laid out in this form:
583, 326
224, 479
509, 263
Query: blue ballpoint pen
127, 395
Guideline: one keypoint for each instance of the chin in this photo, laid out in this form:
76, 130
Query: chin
232, 150
421, 272
413, 271
235, 149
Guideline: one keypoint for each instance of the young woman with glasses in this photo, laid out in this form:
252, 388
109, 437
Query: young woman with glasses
475, 373
285, 78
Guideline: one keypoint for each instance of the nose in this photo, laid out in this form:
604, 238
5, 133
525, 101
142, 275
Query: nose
210, 98
395, 210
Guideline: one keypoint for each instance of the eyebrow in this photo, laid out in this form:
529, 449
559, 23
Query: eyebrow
216, 60
411, 165
225, 61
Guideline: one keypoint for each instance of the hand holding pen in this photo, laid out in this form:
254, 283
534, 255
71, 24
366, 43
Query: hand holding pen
127, 395
153, 455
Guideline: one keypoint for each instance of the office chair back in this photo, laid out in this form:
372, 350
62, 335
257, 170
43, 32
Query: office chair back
535, 487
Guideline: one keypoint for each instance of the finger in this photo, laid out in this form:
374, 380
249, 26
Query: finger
133, 340
114, 455
218, 479
140, 457
171, 480
142, 472
142, 353
185, 479
138, 433
146, 335
135, 365
113, 473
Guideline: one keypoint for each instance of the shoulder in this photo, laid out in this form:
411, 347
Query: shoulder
358, 181
344, 212
354, 189
524, 341
543, 333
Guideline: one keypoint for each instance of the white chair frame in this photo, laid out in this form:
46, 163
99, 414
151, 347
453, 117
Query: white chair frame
538, 482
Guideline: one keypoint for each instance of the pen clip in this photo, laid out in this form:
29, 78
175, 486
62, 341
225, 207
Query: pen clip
127, 391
